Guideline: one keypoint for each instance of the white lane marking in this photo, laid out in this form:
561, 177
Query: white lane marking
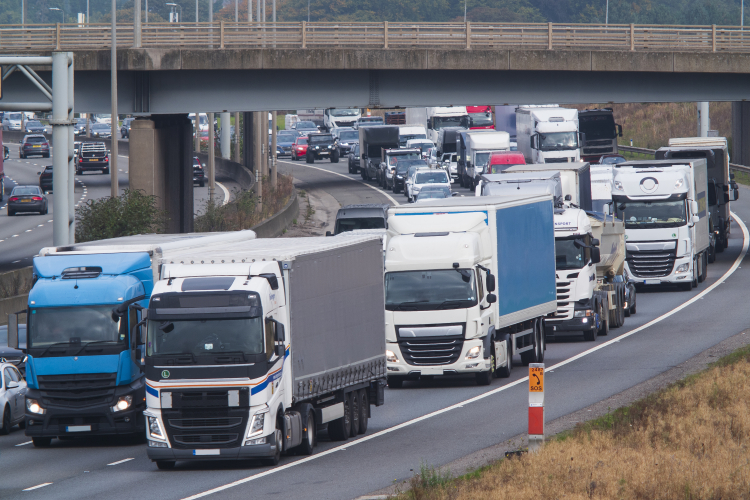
28, 230
24, 444
345, 177
746, 243
226, 192
121, 461
16, 261
37, 486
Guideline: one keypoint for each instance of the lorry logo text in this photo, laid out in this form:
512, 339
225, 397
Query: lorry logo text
165, 374
649, 185
592, 277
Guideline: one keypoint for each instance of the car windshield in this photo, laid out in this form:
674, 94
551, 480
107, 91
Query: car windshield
344, 225
498, 169
432, 177
75, 325
424, 146
287, 137
100, 126
356, 150
434, 193
301, 140
441, 122
612, 160
321, 139
393, 159
36, 139
652, 214
553, 141
481, 119
24, 190
344, 112
371, 119
430, 290
33, 123
205, 336
568, 255
349, 135
306, 125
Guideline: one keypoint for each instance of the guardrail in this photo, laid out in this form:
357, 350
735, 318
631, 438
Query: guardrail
646, 151
386, 35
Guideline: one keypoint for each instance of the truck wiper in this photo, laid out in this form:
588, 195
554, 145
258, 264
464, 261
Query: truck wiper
67, 342
84, 346
411, 304
179, 356
452, 303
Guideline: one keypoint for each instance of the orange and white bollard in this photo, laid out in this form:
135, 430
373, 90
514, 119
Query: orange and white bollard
536, 406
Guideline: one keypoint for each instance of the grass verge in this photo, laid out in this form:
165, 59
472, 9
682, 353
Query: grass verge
688, 441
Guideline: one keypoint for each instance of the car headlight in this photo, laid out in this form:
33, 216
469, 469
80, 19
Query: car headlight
154, 428
33, 406
344, 143
682, 268
399, 177
317, 147
618, 185
583, 313
474, 352
123, 403
390, 357
256, 426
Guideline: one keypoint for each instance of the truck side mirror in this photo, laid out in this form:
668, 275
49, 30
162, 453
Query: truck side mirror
13, 330
595, 242
490, 282
694, 207
532, 141
328, 233
280, 332
736, 193
568, 197
694, 219
596, 255
491, 298
619, 130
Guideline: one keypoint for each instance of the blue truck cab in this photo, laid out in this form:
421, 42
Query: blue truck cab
84, 345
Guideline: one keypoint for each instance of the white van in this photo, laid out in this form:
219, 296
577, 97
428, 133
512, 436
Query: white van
13, 121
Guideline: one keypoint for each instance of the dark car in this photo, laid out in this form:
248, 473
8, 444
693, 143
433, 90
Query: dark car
284, 142
398, 180
10, 354
199, 172
27, 199
103, 130
321, 146
629, 305
369, 216
45, 179
434, 192
305, 128
611, 159
92, 156
35, 127
353, 157
347, 140
125, 128
79, 128
32, 145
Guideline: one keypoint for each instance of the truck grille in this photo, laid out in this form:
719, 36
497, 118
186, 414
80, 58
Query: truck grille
597, 151
651, 263
564, 305
431, 351
557, 160
78, 390
205, 428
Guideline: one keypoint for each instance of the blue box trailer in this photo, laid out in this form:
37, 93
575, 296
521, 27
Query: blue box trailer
508, 243
83, 368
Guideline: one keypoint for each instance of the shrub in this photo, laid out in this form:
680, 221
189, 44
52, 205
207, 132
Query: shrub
133, 212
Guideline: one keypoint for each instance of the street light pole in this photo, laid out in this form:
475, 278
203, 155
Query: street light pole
114, 184
61, 10
606, 15
308, 11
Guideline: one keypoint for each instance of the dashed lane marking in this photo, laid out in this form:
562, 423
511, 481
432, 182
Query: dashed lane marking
27, 442
37, 486
121, 461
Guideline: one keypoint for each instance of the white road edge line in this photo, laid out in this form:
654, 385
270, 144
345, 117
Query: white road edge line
226, 192
24, 444
745, 244
121, 461
37, 486
345, 177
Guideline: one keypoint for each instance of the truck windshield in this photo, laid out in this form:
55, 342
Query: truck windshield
568, 255
481, 159
481, 119
430, 290
75, 325
344, 112
652, 214
201, 337
440, 122
402, 139
555, 141
598, 127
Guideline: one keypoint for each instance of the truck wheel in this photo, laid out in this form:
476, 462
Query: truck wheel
485, 378
41, 442
339, 429
395, 382
604, 330
309, 439
530, 356
364, 410
590, 335
278, 446
694, 283
356, 413
504, 371
541, 341
165, 464
722, 243
704, 267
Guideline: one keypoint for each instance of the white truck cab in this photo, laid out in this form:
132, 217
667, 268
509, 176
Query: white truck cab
548, 134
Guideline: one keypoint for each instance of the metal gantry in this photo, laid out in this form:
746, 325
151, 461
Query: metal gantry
60, 102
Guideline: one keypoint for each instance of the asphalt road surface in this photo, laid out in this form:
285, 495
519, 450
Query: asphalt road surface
433, 422
24, 234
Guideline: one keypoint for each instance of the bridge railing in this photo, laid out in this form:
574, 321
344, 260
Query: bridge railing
221, 34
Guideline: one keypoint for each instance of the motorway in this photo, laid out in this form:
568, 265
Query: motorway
24, 234
432, 422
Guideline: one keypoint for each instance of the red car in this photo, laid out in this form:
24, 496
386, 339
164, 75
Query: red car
299, 148
503, 159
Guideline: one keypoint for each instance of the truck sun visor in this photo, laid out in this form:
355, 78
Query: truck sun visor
213, 283
81, 272
206, 303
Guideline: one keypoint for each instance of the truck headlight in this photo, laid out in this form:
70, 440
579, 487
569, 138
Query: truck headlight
618, 185
390, 357
682, 268
33, 406
154, 428
474, 352
256, 426
123, 403
583, 313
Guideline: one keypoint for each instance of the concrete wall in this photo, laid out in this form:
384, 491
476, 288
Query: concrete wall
275, 226
12, 305
227, 169
14, 281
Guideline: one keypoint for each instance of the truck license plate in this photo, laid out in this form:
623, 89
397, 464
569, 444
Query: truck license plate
431, 371
78, 428
206, 452
651, 282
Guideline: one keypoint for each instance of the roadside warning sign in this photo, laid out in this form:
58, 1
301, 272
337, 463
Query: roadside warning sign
536, 379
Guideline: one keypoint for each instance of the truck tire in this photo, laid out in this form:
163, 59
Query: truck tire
41, 442
339, 429
590, 335
309, 438
165, 464
356, 413
704, 267
278, 446
485, 378
604, 329
694, 283
530, 356
395, 382
504, 371
541, 341
364, 410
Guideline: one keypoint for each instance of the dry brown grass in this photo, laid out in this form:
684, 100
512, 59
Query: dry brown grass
689, 441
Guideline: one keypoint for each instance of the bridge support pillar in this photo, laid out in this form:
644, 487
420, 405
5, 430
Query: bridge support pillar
161, 164
740, 153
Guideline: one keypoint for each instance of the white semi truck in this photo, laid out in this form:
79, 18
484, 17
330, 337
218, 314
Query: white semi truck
468, 283
340, 117
575, 177
254, 348
474, 150
548, 134
437, 118
664, 206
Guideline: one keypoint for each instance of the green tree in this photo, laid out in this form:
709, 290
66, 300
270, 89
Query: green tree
130, 213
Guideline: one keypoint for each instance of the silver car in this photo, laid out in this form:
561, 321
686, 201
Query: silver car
12, 398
